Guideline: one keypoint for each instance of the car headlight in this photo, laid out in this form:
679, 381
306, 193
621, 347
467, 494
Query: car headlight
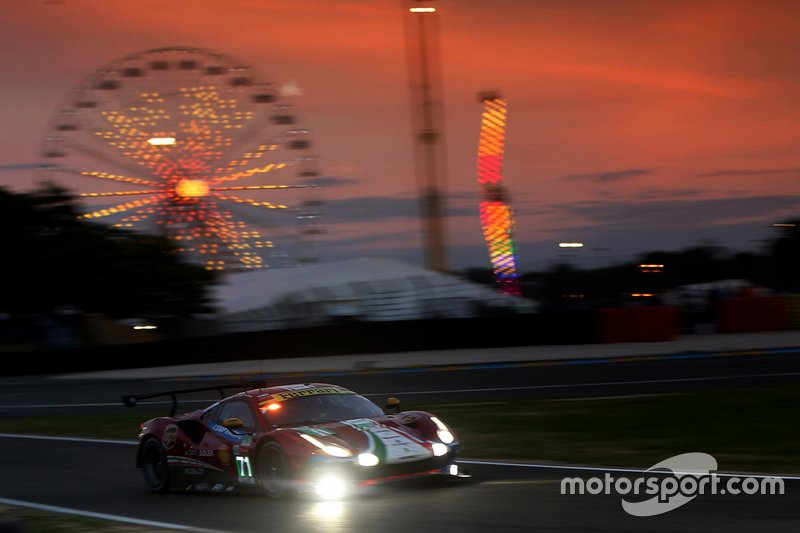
442, 431
330, 488
439, 449
368, 459
330, 449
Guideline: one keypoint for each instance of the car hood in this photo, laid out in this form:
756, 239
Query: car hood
392, 444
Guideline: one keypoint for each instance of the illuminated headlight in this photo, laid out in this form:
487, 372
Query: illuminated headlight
368, 459
453, 470
443, 431
330, 449
439, 449
330, 488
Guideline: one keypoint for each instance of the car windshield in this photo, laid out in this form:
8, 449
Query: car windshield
321, 408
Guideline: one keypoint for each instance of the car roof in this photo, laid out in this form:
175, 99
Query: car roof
296, 390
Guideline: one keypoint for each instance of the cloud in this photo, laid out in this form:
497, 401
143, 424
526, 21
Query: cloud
331, 181
374, 208
605, 177
23, 166
661, 194
749, 172
681, 214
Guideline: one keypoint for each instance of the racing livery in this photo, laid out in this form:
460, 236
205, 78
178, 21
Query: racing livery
312, 437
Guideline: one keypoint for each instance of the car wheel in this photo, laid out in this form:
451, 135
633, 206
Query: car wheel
154, 466
273, 471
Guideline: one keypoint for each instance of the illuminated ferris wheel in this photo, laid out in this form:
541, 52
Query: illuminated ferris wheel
188, 143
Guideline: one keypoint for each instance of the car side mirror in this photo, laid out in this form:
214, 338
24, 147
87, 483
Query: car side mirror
233, 423
392, 406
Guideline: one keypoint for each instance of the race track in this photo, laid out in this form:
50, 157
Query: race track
98, 477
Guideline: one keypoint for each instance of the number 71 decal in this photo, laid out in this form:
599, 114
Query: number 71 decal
243, 466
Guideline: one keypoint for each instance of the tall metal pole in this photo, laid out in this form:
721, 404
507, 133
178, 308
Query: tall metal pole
422, 47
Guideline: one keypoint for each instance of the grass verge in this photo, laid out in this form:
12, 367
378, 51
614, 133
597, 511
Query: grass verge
751, 429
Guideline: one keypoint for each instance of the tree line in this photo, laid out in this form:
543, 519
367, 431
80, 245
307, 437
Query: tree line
53, 262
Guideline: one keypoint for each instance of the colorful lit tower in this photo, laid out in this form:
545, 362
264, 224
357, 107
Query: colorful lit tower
497, 218
422, 48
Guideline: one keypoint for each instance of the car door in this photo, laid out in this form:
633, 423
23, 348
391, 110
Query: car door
229, 447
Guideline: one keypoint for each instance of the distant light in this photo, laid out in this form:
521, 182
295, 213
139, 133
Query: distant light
570, 245
161, 141
642, 295
145, 326
423, 9
784, 225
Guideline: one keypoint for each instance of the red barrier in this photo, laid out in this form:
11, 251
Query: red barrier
755, 313
636, 324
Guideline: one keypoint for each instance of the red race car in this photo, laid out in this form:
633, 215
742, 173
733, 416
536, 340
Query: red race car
313, 437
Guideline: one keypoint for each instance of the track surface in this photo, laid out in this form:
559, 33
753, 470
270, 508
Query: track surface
101, 477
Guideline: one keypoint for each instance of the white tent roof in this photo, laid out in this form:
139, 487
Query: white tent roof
376, 284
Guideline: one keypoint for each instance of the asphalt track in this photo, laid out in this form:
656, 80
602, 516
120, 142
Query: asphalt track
97, 477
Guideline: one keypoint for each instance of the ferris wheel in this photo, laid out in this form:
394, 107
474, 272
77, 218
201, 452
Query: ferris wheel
189, 144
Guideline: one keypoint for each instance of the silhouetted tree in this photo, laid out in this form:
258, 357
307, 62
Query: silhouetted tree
52, 259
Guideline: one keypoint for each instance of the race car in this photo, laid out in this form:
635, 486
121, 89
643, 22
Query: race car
313, 438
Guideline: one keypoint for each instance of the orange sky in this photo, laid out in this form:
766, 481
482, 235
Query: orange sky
633, 125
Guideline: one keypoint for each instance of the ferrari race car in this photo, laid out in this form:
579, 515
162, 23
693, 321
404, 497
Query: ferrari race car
314, 438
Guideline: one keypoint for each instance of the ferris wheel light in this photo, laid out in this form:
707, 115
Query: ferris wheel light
189, 188
161, 141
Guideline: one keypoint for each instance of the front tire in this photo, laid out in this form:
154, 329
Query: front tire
155, 468
273, 470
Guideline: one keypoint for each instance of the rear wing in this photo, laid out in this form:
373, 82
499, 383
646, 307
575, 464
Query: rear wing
130, 400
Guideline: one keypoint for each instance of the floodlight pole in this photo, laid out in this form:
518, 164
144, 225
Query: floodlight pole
422, 48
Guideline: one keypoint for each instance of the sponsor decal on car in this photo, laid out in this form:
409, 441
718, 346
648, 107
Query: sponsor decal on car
244, 470
389, 444
170, 436
225, 432
188, 462
224, 454
288, 395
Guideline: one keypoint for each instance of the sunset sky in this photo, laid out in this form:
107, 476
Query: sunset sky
633, 125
